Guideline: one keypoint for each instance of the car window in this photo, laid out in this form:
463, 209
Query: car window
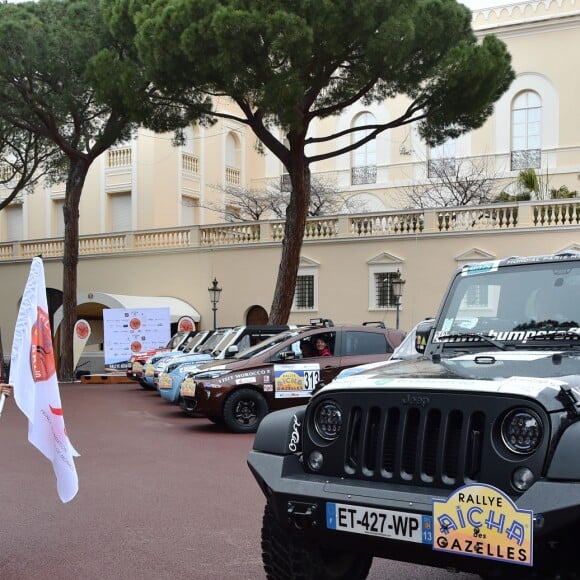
357, 343
266, 344
306, 347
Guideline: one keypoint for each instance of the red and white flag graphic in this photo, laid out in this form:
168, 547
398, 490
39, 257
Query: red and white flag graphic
36, 392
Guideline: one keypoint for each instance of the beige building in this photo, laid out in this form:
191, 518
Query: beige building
147, 227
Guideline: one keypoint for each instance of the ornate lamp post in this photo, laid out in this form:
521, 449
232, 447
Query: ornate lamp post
214, 297
397, 285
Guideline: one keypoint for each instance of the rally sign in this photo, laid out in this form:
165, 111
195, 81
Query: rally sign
482, 521
295, 380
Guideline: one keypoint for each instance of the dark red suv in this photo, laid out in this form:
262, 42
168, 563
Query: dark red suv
283, 371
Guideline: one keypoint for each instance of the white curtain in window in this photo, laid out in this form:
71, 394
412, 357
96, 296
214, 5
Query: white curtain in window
14, 223
365, 155
120, 204
526, 121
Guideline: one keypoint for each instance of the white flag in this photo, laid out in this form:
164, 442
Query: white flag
33, 375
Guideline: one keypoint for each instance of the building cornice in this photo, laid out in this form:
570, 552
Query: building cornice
533, 12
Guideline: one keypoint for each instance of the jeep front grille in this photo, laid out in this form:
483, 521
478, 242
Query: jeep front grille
435, 439
415, 445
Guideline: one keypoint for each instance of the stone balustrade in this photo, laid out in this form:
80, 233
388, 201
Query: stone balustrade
441, 221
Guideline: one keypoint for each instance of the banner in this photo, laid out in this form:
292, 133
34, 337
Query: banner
82, 331
36, 392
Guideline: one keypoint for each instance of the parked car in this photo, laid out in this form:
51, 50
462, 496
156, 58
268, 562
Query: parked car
136, 362
194, 347
282, 371
172, 371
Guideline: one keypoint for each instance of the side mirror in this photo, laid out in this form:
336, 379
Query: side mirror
233, 349
287, 355
423, 333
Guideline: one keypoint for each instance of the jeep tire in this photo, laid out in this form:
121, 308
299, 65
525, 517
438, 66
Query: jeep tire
287, 557
243, 411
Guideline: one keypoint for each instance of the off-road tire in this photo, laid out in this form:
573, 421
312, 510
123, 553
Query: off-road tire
243, 411
287, 557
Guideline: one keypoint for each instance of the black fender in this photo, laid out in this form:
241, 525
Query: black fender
564, 464
280, 432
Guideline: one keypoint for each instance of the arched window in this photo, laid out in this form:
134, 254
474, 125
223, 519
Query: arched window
364, 158
526, 131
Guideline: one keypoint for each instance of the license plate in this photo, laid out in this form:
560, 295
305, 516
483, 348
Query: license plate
187, 387
377, 522
165, 381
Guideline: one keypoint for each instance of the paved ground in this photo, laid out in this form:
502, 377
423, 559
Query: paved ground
161, 496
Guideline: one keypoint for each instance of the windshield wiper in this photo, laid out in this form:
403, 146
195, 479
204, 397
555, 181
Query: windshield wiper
470, 335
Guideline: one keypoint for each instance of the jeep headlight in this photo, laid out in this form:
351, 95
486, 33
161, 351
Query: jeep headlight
328, 420
522, 431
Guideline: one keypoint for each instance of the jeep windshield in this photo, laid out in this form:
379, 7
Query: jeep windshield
512, 305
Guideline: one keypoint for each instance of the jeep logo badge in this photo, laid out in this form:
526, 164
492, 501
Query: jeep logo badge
416, 400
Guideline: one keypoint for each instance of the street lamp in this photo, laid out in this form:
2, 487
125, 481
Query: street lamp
397, 286
214, 297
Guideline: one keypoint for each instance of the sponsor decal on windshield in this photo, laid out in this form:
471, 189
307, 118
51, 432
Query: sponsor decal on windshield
480, 268
522, 336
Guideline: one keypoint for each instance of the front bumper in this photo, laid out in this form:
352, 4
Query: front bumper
299, 501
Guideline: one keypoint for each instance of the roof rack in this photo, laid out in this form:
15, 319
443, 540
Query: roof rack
377, 323
321, 322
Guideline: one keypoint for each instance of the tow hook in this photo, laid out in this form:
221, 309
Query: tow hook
303, 515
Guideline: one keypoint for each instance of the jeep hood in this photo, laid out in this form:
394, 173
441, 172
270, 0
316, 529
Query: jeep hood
537, 374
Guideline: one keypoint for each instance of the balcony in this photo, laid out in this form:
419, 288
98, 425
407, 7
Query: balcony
526, 159
364, 174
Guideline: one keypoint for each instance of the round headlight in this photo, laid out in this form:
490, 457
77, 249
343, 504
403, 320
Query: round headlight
328, 420
522, 431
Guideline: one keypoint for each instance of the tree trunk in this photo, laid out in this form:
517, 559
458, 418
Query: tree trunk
76, 178
296, 214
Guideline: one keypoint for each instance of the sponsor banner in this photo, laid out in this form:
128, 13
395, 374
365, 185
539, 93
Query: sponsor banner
81, 334
483, 522
128, 332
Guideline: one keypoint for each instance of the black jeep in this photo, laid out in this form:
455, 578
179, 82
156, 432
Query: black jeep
466, 458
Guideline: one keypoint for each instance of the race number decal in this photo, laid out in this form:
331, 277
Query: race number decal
296, 380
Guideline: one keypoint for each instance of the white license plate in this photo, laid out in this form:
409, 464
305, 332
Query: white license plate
377, 522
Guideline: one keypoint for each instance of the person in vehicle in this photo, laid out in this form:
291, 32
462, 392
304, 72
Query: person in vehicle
322, 347
307, 349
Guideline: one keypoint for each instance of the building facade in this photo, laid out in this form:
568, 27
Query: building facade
149, 224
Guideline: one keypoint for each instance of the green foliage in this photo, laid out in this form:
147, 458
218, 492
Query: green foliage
562, 193
287, 62
505, 197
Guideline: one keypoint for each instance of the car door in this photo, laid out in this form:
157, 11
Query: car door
363, 347
297, 370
